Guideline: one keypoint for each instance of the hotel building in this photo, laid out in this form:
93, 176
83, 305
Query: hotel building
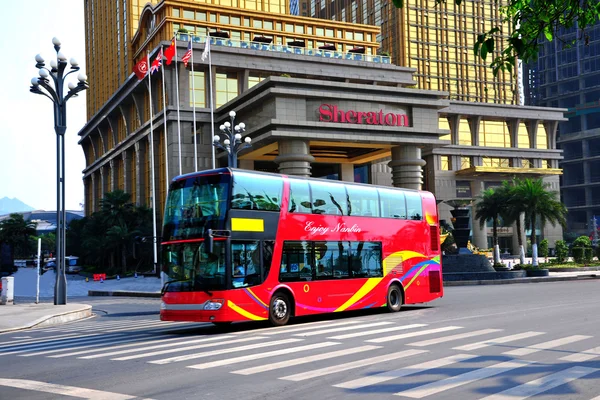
288, 78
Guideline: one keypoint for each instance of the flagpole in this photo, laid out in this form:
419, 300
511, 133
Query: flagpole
178, 116
155, 239
194, 110
162, 68
212, 117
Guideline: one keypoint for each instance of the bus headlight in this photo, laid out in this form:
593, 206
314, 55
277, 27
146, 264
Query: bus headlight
214, 304
163, 306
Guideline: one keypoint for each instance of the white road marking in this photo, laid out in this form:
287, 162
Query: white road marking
206, 342
402, 372
64, 390
583, 356
450, 338
341, 328
543, 384
223, 351
351, 365
251, 357
500, 340
304, 327
449, 383
546, 345
304, 360
376, 331
412, 334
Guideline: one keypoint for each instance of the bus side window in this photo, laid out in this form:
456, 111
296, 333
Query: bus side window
414, 206
393, 204
299, 197
362, 201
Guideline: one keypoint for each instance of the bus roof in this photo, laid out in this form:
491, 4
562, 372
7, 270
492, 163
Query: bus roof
233, 171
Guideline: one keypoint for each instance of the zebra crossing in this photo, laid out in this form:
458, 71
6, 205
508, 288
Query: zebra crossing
351, 354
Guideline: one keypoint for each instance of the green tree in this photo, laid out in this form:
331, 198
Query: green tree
512, 213
539, 204
18, 233
490, 205
526, 21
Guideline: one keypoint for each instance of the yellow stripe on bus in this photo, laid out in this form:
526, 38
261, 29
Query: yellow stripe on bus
243, 312
366, 288
247, 225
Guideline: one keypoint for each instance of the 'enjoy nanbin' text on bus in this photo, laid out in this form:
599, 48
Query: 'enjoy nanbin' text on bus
242, 245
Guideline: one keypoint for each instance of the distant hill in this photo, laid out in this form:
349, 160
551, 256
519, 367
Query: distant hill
8, 206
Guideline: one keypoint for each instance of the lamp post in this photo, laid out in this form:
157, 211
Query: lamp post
52, 80
233, 143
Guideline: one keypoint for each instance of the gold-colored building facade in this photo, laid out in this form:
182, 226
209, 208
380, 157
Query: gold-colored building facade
437, 39
115, 41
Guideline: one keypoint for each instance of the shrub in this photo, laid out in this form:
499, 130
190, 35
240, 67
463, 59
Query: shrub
582, 241
562, 251
588, 255
543, 248
578, 254
598, 252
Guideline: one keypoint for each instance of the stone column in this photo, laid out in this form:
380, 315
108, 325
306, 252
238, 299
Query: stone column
140, 169
407, 167
479, 234
127, 171
347, 172
294, 157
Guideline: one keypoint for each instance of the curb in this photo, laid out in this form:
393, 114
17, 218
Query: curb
522, 280
123, 293
84, 312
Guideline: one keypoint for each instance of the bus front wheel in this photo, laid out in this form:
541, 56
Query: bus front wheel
394, 298
280, 310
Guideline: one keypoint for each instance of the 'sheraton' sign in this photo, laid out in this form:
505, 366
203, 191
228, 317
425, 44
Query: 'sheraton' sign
331, 113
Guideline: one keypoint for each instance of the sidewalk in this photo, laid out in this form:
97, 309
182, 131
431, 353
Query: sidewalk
22, 316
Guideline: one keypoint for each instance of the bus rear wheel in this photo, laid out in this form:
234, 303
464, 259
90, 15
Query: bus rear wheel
280, 309
394, 298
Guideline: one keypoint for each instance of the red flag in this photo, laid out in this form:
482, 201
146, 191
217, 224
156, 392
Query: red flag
188, 54
170, 52
141, 68
157, 63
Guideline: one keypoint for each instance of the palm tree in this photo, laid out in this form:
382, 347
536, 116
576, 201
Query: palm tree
513, 212
490, 205
538, 202
16, 232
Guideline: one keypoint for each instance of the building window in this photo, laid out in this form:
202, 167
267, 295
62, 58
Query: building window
226, 87
444, 163
494, 134
495, 162
542, 137
523, 137
465, 162
197, 89
255, 79
464, 133
545, 164
443, 124
525, 163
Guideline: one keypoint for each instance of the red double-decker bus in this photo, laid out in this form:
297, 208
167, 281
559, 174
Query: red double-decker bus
242, 245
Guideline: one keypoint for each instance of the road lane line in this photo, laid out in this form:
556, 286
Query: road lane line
405, 371
304, 327
223, 351
412, 334
341, 328
251, 357
73, 391
543, 384
583, 356
304, 360
98, 343
546, 345
500, 340
450, 338
208, 342
351, 365
463, 379
376, 331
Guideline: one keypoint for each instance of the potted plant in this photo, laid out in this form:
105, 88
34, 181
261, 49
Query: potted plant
183, 34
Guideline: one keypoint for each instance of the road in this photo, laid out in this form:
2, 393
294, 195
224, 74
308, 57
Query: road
487, 342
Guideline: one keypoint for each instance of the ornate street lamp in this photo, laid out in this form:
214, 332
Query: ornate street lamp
51, 83
233, 143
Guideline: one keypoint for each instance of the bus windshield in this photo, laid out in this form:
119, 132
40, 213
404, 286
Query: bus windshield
196, 204
191, 269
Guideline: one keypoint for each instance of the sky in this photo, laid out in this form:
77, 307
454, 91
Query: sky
27, 137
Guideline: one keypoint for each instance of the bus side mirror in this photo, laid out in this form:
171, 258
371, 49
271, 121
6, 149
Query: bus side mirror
208, 242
